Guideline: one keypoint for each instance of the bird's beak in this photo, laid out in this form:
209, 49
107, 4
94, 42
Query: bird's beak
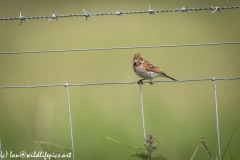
135, 60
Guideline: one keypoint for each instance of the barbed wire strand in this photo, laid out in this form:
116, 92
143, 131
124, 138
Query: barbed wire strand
70, 120
217, 124
143, 122
149, 11
130, 47
119, 83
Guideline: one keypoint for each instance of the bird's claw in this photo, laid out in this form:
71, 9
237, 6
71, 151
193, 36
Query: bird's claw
140, 82
151, 82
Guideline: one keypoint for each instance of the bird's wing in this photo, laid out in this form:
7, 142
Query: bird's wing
151, 67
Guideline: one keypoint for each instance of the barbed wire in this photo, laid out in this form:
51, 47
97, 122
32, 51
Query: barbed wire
118, 12
115, 83
119, 48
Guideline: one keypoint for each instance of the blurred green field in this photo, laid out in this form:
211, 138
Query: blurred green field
174, 112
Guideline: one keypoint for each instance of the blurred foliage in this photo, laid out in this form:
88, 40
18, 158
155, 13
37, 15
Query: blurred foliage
174, 112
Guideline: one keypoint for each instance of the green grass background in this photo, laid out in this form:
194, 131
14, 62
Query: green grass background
174, 112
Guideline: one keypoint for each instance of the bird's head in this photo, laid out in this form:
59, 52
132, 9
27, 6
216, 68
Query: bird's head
137, 60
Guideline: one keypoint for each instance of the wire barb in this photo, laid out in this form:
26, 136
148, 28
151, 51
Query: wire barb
54, 16
185, 9
86, 14
215, 9
119, 13
22, 18
150, 11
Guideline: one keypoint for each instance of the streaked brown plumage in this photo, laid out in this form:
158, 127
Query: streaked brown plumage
146, 69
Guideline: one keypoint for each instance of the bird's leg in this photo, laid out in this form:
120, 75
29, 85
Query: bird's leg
151, 82
140, 81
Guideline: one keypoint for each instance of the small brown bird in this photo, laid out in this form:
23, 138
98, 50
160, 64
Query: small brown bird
146, 69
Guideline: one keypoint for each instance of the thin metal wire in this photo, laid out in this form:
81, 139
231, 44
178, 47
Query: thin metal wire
70, 120
218, 133
119, 48
114, 83
125, 13
143, 122
0, 149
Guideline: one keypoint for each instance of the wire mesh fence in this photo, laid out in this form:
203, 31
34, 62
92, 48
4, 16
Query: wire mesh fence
67, 85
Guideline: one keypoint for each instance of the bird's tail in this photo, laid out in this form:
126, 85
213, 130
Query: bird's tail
170, 78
